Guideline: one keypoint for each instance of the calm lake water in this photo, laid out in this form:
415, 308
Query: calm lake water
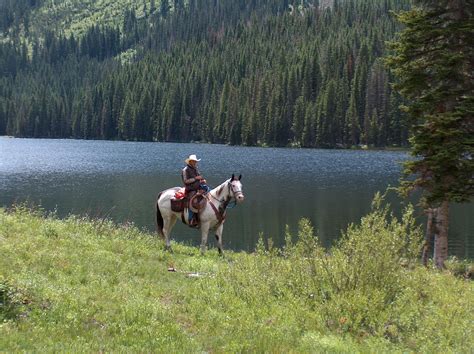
121, 180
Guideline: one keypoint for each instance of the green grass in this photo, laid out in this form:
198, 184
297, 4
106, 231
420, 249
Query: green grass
83, 285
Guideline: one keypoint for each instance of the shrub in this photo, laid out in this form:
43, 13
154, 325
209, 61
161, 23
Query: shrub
12, 301
369, 287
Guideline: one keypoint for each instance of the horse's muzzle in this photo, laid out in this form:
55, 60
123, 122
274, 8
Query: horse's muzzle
240, 198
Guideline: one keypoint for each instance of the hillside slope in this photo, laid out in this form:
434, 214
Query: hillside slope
33, 18
253, 73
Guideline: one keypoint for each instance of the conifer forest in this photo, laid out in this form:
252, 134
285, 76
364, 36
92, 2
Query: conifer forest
241, 72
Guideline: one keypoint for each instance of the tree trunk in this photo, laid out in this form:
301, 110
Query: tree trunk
430, 231
441, 237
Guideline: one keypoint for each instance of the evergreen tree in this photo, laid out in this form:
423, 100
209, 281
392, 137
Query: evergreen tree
298, 120
178, 5
352, 121
308, 134
433, 63
219, 71
164, 8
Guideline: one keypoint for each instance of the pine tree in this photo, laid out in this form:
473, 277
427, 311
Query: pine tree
326, 111
3, 119
125, 122
308, 134
221, 122
352, 122
298, 120
433, 62
164, 8
178, 5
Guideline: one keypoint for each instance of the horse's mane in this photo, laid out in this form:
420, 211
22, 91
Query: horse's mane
218, 190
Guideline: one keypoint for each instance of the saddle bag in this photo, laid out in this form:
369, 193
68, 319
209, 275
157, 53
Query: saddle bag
177, 205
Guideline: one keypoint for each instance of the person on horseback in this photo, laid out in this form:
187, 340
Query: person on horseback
193, 183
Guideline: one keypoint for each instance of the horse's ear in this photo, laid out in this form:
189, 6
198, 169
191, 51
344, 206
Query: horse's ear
232, 178
240, 177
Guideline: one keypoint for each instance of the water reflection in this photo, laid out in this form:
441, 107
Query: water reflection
121, 180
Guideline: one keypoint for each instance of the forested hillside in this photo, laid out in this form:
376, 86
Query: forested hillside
267, 72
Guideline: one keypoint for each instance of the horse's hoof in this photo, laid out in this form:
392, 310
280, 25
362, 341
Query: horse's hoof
168, 249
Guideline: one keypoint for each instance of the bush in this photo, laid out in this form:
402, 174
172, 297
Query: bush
369, 287
12, 301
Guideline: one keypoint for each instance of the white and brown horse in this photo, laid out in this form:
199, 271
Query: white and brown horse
211, 216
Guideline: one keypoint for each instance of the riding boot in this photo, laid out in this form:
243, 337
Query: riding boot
194, 220
192, 217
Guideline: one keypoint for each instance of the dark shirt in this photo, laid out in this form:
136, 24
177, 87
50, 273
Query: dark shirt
189, 175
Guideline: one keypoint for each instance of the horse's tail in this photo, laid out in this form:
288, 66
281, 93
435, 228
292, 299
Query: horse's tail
159, 218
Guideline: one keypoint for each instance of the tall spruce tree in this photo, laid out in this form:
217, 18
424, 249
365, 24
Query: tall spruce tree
433, 61
164, 8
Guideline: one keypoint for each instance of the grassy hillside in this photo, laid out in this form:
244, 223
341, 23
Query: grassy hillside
76, 16
73, 16
81, 285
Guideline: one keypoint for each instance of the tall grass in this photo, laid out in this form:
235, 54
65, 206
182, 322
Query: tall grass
80, 284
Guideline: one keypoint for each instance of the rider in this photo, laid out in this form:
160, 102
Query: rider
193, 181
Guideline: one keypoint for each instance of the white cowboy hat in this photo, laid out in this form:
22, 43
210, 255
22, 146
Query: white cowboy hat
191, 158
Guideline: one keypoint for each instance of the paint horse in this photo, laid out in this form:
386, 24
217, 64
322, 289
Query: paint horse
211, 216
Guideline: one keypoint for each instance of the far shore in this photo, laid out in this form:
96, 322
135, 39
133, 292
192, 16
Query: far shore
289, 146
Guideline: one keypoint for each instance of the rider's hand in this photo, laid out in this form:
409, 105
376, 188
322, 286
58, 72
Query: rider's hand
198, 178
203, 181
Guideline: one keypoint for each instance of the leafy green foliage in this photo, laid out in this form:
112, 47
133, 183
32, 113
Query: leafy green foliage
92, 285
369, 288
12, 301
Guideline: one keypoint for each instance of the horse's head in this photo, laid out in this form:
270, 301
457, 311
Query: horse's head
236, 188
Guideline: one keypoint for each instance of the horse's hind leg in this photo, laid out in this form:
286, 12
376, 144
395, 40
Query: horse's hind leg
168, 224
219, 238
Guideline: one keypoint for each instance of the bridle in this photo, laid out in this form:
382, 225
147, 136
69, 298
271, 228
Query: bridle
224, 203
235, 194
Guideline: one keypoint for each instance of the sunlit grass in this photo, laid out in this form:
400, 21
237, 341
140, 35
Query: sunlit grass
90, 285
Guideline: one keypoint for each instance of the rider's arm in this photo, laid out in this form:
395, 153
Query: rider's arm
187, 179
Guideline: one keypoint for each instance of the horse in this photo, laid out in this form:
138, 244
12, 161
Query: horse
211, 216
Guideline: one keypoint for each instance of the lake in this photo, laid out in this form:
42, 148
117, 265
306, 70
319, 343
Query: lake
121, 180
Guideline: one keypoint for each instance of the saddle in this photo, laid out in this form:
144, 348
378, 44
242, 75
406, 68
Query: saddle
180, 201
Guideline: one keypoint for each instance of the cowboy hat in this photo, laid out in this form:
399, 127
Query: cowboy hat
191, 158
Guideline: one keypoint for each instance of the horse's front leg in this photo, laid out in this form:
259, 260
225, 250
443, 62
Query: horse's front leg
204, 232
219, 238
